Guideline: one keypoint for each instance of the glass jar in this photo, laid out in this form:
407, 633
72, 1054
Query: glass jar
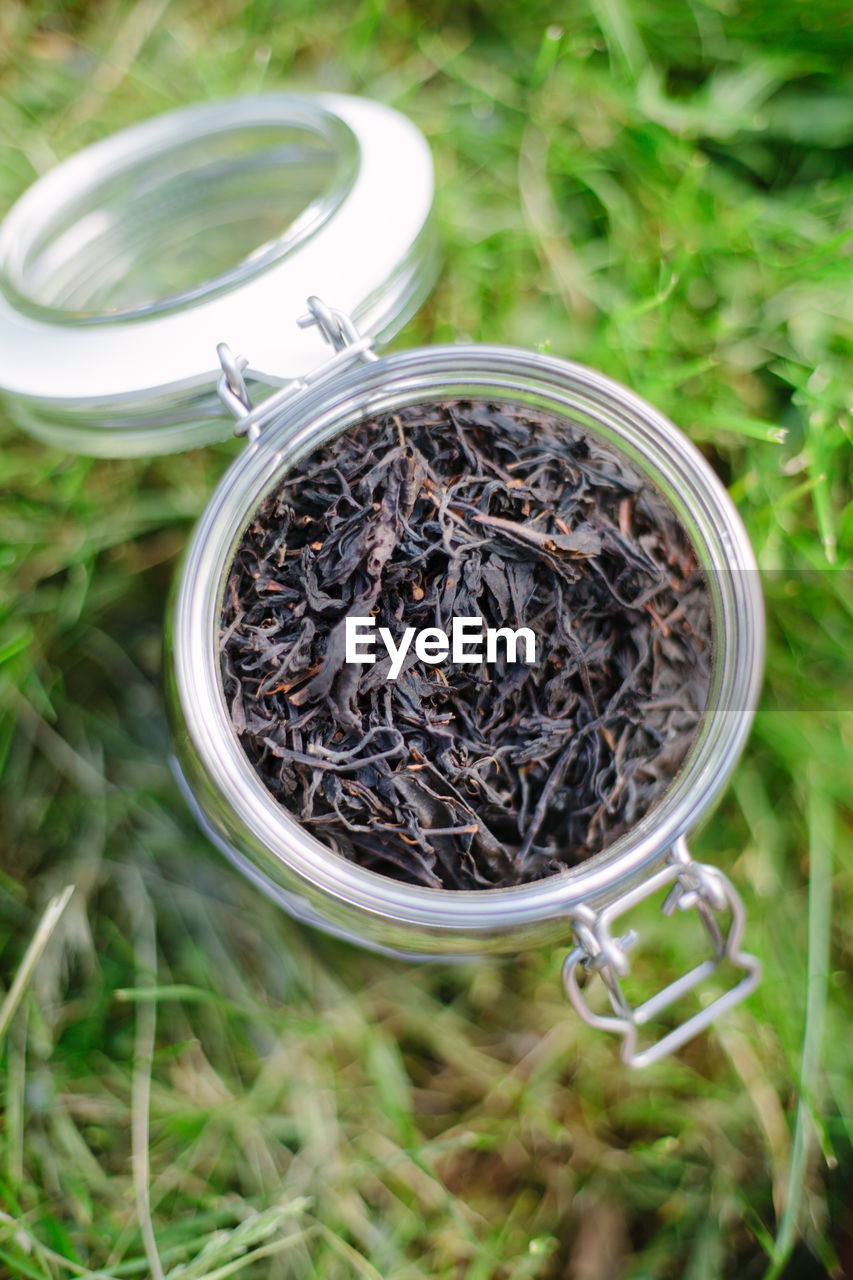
138, 373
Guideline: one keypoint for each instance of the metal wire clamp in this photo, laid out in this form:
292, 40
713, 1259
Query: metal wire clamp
693, 885
338, 330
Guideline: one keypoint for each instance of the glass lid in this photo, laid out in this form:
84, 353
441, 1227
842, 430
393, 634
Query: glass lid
124, 267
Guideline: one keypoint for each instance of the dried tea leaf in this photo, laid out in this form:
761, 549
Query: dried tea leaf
467, 776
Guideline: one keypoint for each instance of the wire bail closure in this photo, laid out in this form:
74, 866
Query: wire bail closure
693, 885
339, 331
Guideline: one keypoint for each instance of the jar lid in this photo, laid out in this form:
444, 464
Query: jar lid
124, 267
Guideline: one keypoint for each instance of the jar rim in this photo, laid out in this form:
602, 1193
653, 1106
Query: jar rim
665, 455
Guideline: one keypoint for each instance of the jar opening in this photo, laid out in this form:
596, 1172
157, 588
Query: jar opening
466, 644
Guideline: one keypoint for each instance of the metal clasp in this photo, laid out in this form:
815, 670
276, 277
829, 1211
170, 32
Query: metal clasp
339, 331
694, 885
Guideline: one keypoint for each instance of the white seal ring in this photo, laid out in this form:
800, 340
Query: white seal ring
141, 379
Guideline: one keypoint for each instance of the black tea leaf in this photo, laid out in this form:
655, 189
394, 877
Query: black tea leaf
467, 775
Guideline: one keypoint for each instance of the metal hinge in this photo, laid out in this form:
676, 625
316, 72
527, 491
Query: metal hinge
694, 885
338, 330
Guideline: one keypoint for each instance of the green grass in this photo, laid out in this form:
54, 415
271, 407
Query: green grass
193, 1085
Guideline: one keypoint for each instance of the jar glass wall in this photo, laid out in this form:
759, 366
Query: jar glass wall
260, 836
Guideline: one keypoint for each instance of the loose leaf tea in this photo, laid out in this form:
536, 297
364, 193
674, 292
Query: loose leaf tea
461, 775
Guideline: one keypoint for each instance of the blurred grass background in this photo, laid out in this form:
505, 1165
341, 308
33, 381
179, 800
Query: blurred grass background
194, 1086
